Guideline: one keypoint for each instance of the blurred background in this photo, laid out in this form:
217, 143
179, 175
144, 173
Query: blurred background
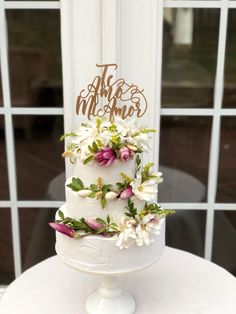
190, 46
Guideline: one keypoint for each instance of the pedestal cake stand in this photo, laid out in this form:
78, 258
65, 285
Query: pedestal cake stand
97, 255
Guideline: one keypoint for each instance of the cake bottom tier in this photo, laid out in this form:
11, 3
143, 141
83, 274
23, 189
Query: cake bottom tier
97, 254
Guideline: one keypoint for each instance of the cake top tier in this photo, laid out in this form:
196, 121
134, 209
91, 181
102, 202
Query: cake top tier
105, 141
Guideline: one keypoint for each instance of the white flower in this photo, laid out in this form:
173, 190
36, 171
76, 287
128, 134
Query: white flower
110, 196
125, 128
158, 175
144, 191
149, 225
127, 233
84, 193
140, 141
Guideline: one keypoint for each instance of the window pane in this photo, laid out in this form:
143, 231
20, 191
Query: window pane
1, 95
189, 57
35, 58
6, 251
229, 100
37, 238
38, 156
224, 252
184, 154
185, 230
227, 164
4, 188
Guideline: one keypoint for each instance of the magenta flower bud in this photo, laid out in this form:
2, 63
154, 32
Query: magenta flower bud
62, 229
125, 153
93, 223
126, 193
105, 156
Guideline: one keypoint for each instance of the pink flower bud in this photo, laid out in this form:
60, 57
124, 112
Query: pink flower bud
126, 193
105, 156
93, 223
125, 154
62, 229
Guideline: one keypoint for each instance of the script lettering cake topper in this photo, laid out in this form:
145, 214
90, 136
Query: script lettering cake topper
117, 96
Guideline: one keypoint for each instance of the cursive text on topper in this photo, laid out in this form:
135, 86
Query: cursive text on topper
117, 96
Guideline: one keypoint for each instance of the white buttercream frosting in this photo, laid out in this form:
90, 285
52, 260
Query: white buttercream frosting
111, 175
100, 255
78, 207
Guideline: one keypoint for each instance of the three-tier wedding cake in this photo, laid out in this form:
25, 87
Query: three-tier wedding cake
110, 222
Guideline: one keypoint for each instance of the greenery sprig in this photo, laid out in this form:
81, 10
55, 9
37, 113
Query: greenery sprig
108, 228
98, 190
132, 210
144, 131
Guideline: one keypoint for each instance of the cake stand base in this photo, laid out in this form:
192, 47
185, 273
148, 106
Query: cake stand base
110, 299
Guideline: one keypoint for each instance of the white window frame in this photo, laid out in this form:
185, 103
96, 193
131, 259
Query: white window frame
216, 113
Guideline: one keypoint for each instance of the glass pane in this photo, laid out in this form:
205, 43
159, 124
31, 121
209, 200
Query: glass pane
35, 58
224, 252
40, 168
1, 96
229, 100
6, 251
227, 164
185, 230
37, 238
189, 57
184, 154
4, 187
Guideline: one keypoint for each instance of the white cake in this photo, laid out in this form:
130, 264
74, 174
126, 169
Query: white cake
106, 227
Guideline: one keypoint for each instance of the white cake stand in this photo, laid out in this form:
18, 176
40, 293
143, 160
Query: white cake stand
99, 256
110, 298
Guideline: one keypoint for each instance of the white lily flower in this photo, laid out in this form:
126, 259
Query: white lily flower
158, 175
127, 233
144, 191
149, 225
140, 141
110, 196
84, 193
125, 128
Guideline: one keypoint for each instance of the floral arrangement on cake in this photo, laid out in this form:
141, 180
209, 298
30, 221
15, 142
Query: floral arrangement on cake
105, 141
134, 227
143, 186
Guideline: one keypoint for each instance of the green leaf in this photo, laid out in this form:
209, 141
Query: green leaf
61, 215
145, 174
72, 134
138, 160
92, 195
127, 179
99, 143
95, 147
101, 230
106, 188
98, 123
101, 221
144, 131
121, 185
93, 187
132, 210
103, 202
77, 181
108, 219
76, 184
91, 149
87, 160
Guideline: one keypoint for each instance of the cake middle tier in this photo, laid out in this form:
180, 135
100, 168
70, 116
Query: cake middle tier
110, 175
78, 207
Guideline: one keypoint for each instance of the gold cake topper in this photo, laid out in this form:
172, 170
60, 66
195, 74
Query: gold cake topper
118, 98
